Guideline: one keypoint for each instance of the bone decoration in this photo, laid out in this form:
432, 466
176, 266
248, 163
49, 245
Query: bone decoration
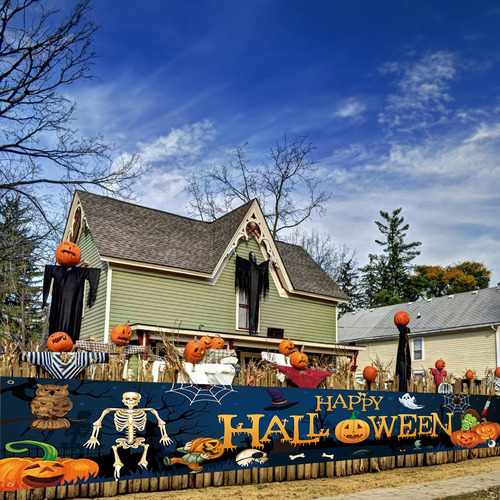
293, 457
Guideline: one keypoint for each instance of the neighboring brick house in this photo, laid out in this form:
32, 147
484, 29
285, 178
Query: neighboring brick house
163, 272
462, 329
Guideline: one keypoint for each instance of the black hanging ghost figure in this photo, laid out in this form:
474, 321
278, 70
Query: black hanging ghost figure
253, 279
403, 360
68, 285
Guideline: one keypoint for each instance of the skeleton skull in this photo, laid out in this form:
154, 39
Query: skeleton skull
131, 399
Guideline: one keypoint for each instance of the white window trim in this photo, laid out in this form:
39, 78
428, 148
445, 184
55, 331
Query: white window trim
413, 349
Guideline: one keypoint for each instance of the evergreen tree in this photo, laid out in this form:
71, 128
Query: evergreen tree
20, 278
388, 275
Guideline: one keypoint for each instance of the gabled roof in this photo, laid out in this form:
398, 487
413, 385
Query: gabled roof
462, 311
129, 232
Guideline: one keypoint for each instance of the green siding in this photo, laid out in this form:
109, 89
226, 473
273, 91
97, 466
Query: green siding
165, 301
94, 318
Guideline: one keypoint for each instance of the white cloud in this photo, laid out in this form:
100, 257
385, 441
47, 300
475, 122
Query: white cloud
485, 131
185, 142
350, 108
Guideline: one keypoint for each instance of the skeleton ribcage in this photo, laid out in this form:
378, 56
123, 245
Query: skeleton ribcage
130, 420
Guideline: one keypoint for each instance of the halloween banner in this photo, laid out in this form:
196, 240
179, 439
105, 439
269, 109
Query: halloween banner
59, 432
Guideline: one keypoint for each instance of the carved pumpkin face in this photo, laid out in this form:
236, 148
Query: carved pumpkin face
212, 448
28, 473
487, 430
217, 343
121, 334
401, 318
370, 373
286, 347
194, 351
207, 342
352, 430
440, 364
469, 374
59, 342
299, 360
68, 254
465, 439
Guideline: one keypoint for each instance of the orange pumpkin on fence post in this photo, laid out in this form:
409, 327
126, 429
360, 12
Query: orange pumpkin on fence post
286, 347
59, 342
497, 372
68, 254
42, 472
401, 318
370, 373
440, 364
121, 334
217, 343
299, 360
352, 430
194, 351
469, 374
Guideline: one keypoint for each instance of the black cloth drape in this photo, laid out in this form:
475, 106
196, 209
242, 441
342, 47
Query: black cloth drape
66, 307
253, 278
403, 360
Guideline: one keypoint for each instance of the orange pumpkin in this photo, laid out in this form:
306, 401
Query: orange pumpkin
299, 360
28, 473
440, 364
60, 342
487, 430
352, 430
207, 342
465, 439
286, 347
401, 318
194, 351
469, 374
217, 343
212, 448
68, 254
497, 372
370, 373
121, 334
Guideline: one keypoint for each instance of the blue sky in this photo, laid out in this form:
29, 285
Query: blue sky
401, 99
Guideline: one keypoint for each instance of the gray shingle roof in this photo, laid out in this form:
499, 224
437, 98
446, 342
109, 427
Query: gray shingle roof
122, 230
452, 312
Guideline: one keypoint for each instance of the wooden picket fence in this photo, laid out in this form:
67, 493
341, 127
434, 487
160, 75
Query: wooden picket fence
259, 374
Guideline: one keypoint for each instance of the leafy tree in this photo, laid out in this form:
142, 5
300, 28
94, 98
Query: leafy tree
289, 169
20, 277
388, 274
42, 52
435, 281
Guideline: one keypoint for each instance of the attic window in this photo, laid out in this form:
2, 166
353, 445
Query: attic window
253, 229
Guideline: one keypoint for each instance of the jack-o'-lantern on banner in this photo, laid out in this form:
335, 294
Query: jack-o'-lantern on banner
121, 334
286, 347
299, 360
42, 472
352, 430
487, 430
212, 448
68, 254
60, 342
465, 438
194, 352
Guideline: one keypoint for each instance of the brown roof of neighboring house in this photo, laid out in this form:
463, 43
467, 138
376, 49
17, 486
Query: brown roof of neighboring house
131, 232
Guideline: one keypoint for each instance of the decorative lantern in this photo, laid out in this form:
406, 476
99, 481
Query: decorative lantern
68, 254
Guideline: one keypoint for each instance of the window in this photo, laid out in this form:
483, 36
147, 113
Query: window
417, 349
242, 310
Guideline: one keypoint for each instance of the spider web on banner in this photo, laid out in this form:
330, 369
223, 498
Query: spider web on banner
456, 402
203, 393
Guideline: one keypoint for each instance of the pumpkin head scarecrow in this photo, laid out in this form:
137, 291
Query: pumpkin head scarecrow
42, 472
196, 452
